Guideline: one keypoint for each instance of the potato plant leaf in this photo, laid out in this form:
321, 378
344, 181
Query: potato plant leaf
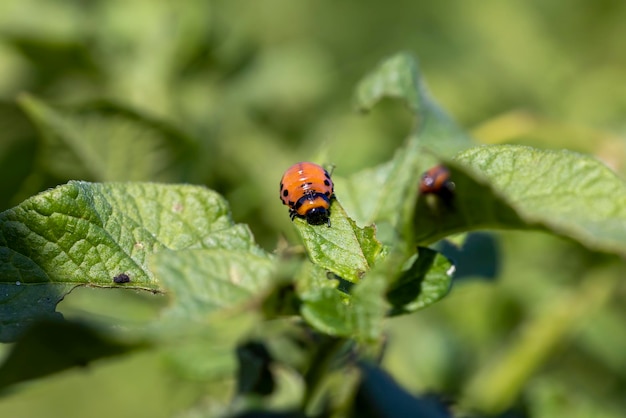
426, 281
399, 77
568, 193
204, 281
386, 194
205, 351
92, 234
474, 205
22, 305
509, 186
358, 316
344, 249
211, 308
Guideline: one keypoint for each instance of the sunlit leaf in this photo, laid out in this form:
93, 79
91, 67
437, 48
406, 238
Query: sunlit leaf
358, 316
519, 187
86, 233
344, 248
386, 193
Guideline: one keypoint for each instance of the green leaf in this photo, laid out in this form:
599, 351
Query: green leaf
509, 186
205, 351
360, 313
569, 193
212, 307
358, 316
396, 77
426, 281
473, 206
399, 77
205, 281
344, 249
369, 182
52, 346
86, 233
386, 194
323, 306
213, 294
105, 142
22, 305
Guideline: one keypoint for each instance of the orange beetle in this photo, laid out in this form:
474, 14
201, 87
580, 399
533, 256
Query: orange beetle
308, 191
437, 181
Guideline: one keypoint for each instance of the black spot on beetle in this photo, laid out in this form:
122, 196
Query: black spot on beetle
297, 205
286, 193
121, 278
326, 183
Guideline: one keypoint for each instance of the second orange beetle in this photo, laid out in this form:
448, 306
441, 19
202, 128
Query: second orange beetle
308, 191
436, 181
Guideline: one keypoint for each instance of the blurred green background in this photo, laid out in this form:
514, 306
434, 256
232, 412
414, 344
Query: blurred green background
251, 87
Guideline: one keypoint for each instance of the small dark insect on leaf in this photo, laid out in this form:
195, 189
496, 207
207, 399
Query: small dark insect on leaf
122, 278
